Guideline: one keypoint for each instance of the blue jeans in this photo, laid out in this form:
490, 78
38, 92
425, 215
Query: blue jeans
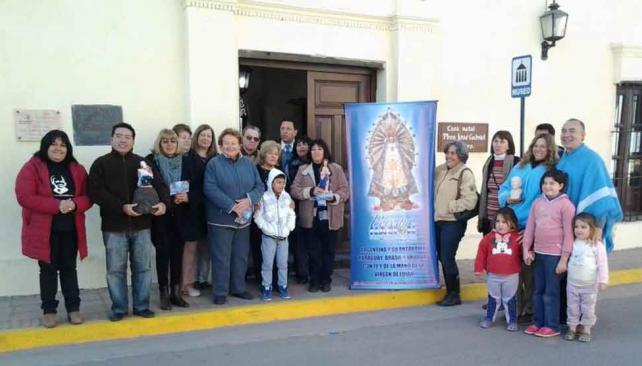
137, 246
546, 296
270, 247
229, 249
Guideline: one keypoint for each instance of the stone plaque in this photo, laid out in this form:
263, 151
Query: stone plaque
92, 123
475, 135
33, 124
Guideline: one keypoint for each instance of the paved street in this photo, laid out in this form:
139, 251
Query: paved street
415, 336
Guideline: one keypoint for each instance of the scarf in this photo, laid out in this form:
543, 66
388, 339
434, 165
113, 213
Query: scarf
170, 168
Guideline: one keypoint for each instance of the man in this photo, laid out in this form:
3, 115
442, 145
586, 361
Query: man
250, 145
590, 187
288, 134
548, 129
126, 233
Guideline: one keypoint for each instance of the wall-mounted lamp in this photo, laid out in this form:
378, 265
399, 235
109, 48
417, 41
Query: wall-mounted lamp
553, 23
244, 78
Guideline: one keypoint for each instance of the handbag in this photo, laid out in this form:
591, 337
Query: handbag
466, 214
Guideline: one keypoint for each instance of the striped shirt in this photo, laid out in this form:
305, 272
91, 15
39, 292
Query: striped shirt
495, 180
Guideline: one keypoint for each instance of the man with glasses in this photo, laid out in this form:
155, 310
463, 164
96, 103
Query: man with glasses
250, 146
113, 178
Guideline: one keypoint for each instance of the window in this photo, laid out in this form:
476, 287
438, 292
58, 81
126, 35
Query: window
627, 149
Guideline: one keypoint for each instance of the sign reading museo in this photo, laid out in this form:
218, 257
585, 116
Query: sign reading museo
391, 159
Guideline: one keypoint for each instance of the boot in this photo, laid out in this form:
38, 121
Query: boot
176, 298
452, 292
164, 298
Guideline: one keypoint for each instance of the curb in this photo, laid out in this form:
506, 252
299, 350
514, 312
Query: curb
30, 338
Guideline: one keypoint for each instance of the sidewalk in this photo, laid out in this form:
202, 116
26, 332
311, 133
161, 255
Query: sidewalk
21, 328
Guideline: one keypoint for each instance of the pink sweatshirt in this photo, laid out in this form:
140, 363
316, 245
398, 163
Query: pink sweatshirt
550, 226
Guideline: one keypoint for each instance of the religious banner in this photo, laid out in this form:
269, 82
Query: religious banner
392, 159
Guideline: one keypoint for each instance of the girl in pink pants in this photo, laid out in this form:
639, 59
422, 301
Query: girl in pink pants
588, 273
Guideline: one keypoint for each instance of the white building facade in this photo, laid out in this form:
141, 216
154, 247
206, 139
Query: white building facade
170, 61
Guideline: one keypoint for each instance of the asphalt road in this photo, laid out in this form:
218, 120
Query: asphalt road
416, 336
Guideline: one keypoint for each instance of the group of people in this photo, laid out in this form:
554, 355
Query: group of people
195, 204
547, 221
215, 201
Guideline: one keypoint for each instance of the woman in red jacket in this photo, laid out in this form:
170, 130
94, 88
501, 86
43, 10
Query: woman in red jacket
51, 188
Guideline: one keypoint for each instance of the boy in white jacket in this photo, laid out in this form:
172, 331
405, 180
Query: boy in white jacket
276, 218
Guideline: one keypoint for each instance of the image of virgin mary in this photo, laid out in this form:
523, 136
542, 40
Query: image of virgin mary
391, 153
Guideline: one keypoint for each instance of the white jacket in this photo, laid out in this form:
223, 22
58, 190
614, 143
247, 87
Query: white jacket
275, 215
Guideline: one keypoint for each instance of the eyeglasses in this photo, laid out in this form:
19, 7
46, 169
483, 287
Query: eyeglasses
252, 138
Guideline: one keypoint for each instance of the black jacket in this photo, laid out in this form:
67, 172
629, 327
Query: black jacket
112, 181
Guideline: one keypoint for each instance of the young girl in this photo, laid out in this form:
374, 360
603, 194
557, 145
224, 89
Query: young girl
548, 241
588, 272
500, 255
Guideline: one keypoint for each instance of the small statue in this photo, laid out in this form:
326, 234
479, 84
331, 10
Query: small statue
145, 196
516, 188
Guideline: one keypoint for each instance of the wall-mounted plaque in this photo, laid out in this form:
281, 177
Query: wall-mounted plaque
475, 135
32, 124
92, 123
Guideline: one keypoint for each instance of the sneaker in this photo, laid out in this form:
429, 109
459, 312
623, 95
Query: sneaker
266, 293
570, 335
283, 293
50, 320
546, 332
75, 318
532, 329
193, 292
584, 337
512, 327
144, 313
219, 300
486, 323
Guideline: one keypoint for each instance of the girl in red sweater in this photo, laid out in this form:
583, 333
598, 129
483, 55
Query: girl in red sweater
500, 255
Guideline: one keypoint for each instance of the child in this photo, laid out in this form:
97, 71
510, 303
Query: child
500, 255
276, 218
548, 240
588, 272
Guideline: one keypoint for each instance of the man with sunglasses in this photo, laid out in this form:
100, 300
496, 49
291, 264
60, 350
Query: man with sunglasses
250, 145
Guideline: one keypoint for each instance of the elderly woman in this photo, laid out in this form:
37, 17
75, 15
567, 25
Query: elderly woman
540, 157
322, 190
455, 192
167, 160
191, 215
51, 188
494, 173
268, 158
232, 186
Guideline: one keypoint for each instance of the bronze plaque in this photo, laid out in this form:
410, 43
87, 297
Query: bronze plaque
475, 135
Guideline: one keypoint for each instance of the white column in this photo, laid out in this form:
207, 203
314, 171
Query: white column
212, 64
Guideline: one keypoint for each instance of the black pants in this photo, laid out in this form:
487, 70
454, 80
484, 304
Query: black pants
255, 251
448, 235
64, 248
169, 256
321, 244
301, 258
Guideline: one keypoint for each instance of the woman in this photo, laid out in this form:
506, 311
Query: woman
191, 215
495, 170
167, 159
51, 188
450, 176
297, 242
322, 190
268, 158
232, 185
540, 157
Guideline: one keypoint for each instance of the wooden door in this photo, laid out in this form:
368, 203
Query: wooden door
327, 93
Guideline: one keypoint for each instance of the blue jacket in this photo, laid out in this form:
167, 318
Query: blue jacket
226, 181
531, 190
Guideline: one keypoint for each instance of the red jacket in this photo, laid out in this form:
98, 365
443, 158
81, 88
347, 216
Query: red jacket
495, 257
34, 195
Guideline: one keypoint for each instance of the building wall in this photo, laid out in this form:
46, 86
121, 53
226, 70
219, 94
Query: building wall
166, 61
